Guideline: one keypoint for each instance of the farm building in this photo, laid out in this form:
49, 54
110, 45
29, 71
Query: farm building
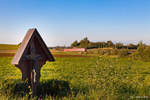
76, 49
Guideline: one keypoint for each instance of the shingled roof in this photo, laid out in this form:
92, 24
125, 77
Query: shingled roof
31, 33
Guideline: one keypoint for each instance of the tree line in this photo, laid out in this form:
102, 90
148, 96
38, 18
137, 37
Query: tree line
85, 43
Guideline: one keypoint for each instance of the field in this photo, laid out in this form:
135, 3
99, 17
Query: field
76, 76
8, 47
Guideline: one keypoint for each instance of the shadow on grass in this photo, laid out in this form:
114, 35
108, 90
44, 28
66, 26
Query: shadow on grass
54, 88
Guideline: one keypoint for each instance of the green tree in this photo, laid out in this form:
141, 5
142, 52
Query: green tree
84, 43
110, 43
74, 44
118, 45
140, 50
132, 46
146, 54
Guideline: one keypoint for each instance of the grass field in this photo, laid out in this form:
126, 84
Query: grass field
8, 47
80, 78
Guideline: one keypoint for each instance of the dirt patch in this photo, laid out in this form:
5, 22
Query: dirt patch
7, 54
8, 51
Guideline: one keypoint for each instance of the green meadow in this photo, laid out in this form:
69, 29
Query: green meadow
80, 78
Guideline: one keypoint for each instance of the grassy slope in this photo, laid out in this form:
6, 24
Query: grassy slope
84, 78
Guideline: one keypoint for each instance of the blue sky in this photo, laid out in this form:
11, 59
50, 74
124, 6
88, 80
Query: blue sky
60, 22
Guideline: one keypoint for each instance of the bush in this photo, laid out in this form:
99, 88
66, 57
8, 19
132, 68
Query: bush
123, 53
142, 53
146, 54
114, 52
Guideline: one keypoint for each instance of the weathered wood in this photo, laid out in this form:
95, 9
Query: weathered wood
30, 57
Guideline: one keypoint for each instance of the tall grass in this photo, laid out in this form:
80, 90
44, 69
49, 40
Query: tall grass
92, 78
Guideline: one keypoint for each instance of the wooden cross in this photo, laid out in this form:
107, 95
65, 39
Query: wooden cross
30, 57
35, 72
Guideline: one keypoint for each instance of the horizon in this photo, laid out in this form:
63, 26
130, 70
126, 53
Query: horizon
125, 43
60, 22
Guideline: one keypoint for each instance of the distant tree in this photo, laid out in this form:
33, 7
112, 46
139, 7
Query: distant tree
92, 45
84, 43
146, 53
132, 46
110, 43
103, 44
140, 49
142, 53
119, 45
75, 44
97, 44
